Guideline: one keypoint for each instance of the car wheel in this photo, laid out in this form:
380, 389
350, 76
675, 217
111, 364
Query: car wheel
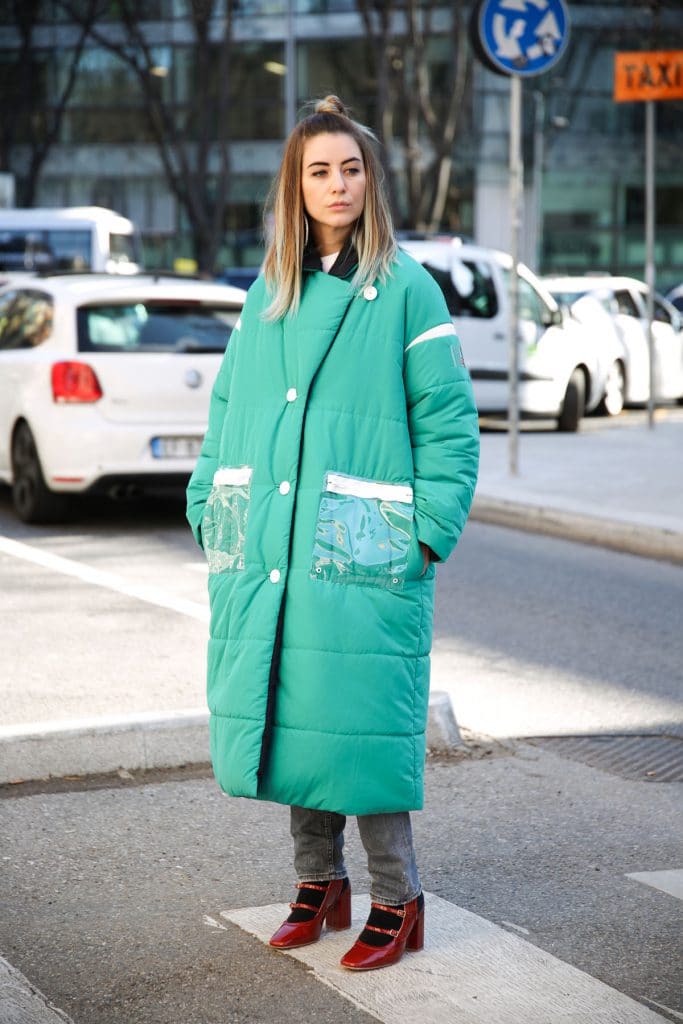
574, 404
615, 390
33, 501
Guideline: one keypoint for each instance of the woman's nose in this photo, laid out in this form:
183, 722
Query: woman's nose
338, 182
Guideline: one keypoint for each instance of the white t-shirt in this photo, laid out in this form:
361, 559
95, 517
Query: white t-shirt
328, 261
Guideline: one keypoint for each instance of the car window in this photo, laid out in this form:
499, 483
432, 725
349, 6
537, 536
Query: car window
180, 326
122, 248
626, 303
468, 288
661, 312
531, 306
62, 249
25, 319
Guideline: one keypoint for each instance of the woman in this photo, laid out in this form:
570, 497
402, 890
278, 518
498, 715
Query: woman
339, 464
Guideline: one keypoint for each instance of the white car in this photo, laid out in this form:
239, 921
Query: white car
624, 298
105, 382
562, 374
675, 297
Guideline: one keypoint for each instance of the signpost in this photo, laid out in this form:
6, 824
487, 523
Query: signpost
648, 76
520, 39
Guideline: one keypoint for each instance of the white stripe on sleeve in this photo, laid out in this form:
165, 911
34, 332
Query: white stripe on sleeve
441, 331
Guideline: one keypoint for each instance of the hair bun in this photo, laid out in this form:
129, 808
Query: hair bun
331, 105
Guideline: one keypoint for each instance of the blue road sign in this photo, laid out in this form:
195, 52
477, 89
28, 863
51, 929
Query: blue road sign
523, 37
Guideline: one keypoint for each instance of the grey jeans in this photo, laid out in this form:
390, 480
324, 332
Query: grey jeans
388, 841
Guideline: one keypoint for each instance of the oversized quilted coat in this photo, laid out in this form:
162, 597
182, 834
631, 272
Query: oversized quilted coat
338, 439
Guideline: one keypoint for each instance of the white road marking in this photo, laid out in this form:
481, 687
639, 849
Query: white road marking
211, 922
670, 882
471, 971
108, 580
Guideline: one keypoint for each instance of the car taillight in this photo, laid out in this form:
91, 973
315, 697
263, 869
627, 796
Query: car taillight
75, 382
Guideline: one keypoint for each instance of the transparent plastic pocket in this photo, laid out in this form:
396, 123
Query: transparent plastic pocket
225, 519
363, 532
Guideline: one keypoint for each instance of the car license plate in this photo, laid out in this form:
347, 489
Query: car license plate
176, 447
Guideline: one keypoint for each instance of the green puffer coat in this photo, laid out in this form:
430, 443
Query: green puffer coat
337, 440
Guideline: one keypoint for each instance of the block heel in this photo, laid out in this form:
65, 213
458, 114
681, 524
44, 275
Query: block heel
416, 939
339, 915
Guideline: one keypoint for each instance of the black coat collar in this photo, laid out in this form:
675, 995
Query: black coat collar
345, 263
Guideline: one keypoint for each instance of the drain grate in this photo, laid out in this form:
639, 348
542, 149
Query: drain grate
647, 758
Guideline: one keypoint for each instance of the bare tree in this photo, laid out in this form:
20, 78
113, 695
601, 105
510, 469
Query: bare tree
26, 116
378, 20
193, 149
440, 114
405, 94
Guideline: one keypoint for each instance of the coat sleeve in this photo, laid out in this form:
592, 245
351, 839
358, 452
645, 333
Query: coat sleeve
442, 418
201, 480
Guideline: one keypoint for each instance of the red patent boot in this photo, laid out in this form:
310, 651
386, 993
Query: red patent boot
335, 909
410, 935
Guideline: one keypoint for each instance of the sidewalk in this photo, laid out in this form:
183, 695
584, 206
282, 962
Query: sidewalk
616, 485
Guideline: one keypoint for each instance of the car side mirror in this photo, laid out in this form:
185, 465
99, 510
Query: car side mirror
552, 317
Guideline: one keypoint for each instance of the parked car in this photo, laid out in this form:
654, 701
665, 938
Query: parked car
561, 373
625, 298
105, 382
675, 297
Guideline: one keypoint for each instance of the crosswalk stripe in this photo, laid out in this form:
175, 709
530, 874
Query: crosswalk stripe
670, 882
99, 578
471, 971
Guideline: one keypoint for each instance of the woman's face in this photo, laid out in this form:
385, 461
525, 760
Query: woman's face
333, 187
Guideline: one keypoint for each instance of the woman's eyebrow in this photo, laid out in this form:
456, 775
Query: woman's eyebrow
325, 163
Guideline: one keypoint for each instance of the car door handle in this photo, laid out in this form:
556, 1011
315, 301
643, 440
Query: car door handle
499, 337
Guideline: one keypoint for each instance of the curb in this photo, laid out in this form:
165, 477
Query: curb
99, 745
22, 1003
631, 538
139, 742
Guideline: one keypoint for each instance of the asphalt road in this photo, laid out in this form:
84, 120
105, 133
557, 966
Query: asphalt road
533, 635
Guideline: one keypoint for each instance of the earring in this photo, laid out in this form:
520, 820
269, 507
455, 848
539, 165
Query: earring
305, 231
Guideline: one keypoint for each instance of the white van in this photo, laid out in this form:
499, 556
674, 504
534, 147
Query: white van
71, 238
563, 365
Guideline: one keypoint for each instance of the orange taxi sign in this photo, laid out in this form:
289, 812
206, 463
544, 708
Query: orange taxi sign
648, 75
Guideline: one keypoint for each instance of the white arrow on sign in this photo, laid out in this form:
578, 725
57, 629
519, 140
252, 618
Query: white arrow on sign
549, 27
507, 44
547, 33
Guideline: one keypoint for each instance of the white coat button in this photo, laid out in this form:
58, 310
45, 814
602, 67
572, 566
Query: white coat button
370, 293
291, 395
285, 487
274, 575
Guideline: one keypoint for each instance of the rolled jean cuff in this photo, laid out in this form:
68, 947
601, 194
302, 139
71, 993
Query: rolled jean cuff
393, 901
317, 878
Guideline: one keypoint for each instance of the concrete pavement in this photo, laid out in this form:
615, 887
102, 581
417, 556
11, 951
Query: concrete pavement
615, 484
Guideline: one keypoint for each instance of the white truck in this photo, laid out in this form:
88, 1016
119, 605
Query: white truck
76, 238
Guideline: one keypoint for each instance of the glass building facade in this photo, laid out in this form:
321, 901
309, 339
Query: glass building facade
584, 153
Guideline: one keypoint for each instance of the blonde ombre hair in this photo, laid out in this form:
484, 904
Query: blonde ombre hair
372, 234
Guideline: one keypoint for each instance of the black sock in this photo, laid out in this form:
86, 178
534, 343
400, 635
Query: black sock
385, 919
313, 897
